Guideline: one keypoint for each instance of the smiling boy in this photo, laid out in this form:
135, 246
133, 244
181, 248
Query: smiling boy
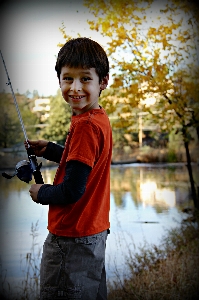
73, 260
80, 88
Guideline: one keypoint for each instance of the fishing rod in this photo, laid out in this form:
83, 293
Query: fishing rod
24, 169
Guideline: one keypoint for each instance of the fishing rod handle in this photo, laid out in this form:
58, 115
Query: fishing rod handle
38, 177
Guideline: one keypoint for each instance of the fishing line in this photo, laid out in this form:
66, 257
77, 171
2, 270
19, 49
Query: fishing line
15, 101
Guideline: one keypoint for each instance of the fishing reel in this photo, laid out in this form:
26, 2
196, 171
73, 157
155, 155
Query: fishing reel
23, 170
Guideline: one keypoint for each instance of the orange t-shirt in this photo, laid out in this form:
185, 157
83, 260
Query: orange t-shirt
89, 141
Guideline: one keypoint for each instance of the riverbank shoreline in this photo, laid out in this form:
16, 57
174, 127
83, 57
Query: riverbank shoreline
9, 157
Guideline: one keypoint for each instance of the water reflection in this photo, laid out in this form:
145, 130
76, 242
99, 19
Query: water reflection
159, 187
145, 201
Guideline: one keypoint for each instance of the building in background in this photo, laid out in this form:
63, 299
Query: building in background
42, 108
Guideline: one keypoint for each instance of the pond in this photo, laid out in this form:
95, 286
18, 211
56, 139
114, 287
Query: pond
146, 201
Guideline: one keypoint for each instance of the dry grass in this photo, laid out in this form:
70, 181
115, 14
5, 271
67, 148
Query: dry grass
167, 272
28, 288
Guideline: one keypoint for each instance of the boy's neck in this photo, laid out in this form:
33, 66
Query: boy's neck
76, 112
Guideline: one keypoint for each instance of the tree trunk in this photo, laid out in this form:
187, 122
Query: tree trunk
197, 130
189, 167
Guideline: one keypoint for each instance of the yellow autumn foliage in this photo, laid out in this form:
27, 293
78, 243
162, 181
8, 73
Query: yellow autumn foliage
161, 50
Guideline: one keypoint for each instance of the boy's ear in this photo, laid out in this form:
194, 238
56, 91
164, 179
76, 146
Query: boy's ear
104, 82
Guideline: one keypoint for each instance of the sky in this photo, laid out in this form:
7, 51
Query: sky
29, 34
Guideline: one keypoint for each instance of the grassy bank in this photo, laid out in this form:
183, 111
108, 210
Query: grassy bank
170, 271
147, 154
167, 272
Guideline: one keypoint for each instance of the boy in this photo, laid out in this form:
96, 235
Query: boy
73, 260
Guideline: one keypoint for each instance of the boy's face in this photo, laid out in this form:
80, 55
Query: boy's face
80, 88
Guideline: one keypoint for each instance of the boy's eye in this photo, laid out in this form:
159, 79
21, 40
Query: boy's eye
84, 79
68, 78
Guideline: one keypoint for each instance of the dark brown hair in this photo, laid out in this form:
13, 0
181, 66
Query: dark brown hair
84, 53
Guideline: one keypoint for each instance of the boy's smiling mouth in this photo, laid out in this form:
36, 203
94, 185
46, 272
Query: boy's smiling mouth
76, 97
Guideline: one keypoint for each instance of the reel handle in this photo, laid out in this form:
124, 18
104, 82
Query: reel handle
34, 165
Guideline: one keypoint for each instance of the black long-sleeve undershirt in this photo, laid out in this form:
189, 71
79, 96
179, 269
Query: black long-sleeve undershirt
74, 184
53, 152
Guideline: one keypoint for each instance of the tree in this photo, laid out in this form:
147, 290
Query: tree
10, 127
59, 119
30, 119
154, 50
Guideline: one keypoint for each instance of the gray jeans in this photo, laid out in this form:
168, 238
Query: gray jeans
73, 268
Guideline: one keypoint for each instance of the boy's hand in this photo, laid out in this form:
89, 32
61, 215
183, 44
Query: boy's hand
39, 146
34, 191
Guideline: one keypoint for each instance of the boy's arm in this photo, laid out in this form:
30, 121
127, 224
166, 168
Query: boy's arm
70, 190
53, 152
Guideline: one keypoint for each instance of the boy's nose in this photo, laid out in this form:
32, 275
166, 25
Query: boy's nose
76, 86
